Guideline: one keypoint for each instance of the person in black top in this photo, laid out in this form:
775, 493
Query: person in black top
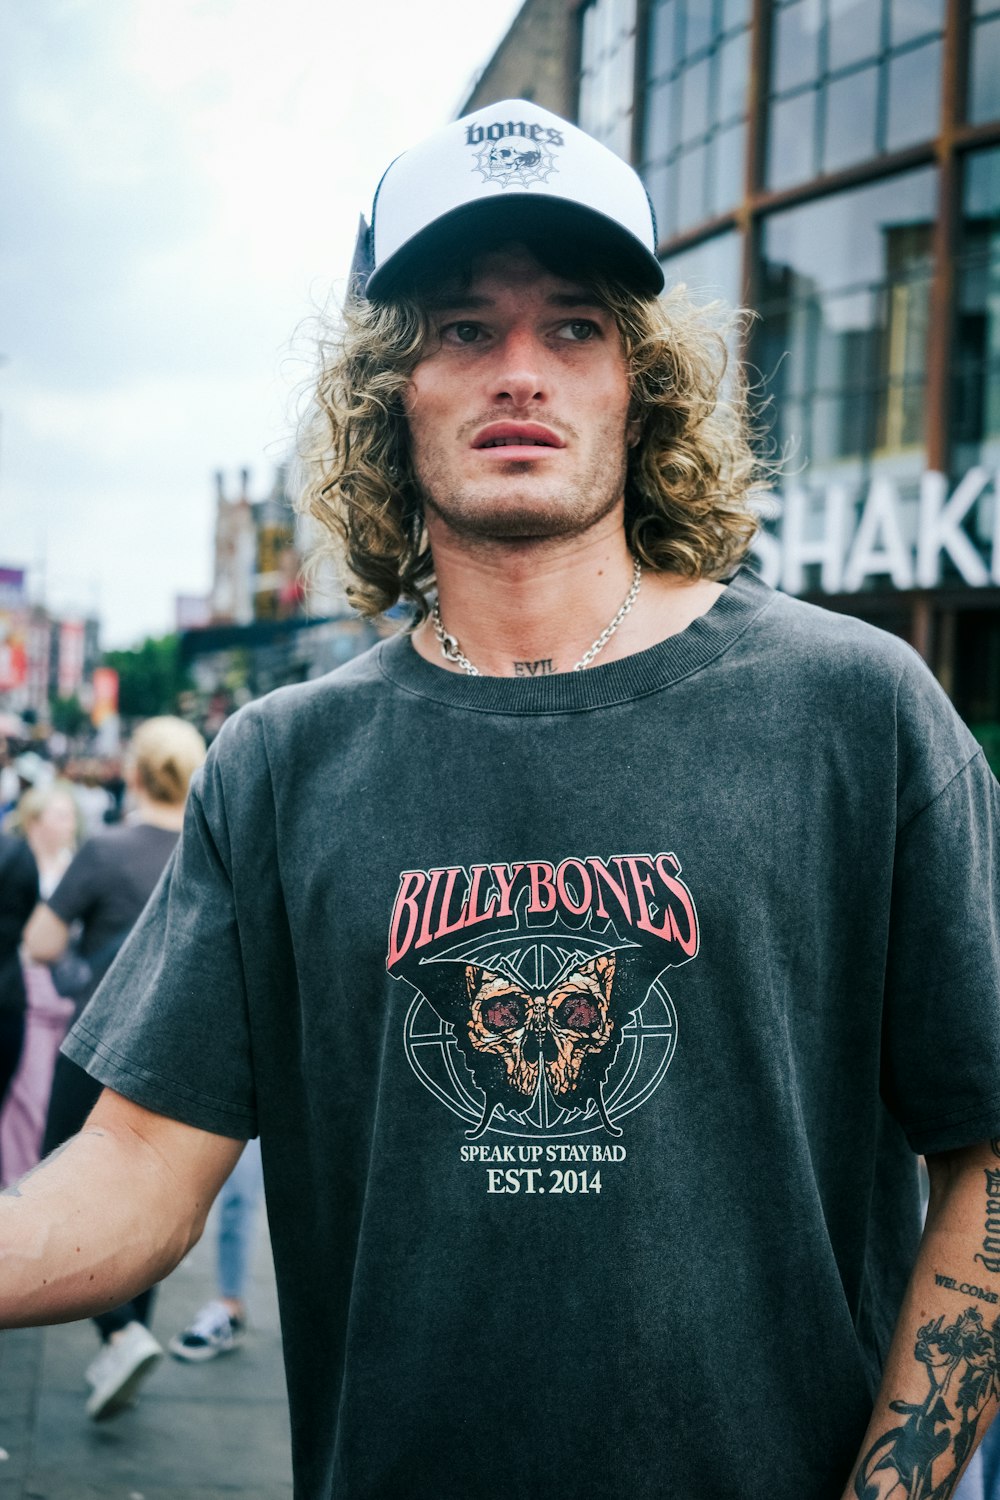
105, 889
18, 895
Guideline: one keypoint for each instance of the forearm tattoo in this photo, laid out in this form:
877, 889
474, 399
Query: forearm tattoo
921, 1459
990, 1254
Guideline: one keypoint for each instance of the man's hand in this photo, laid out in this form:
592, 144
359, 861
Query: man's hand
941, 1385
108, 1214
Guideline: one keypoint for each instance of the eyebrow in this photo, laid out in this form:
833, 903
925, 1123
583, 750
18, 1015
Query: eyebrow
467, 301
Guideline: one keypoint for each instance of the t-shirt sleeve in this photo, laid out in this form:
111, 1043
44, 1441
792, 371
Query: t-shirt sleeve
941, 1021
74, 896
168, 1026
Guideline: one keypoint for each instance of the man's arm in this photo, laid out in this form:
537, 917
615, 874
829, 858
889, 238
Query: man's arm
108, 1214
46, 935
940, 1386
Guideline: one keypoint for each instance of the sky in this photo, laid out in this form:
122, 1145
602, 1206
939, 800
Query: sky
180, 185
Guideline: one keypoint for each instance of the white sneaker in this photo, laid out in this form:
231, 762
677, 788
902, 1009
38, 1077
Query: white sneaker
213, 1330
120, 1368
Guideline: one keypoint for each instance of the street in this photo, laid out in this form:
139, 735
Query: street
199, 1432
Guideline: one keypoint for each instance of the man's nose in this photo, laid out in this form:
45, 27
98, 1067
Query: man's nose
518, 376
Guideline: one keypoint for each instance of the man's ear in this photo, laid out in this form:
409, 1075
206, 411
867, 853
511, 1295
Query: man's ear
633, 431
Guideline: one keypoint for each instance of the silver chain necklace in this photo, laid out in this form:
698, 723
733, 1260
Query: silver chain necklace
452, 651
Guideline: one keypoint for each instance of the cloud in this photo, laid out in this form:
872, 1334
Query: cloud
181, 184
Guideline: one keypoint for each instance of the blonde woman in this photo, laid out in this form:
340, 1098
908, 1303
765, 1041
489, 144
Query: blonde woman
48, 820
105, 888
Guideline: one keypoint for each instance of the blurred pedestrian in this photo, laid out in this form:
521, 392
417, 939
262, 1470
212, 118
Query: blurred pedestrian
105, 889
221, 1325
18, 894
48, 820
93, 799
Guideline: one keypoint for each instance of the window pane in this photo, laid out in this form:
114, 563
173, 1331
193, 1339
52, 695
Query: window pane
697, 25
976, 365
659, 182
854, 33
662, 48
735, 13
852, 238
845, 320
914, 96
729, 148
691, 172
622, 74
790, 140
850, 119
710, 270
694, 100
846, 342
588, 39
984, 89
734, 75
608, 43
981, 198
909, 19
657, 132
796, 45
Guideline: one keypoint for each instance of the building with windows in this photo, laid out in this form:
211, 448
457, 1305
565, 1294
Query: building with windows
835, 166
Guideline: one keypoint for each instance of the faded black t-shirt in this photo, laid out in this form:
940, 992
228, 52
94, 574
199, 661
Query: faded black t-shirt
590, 1024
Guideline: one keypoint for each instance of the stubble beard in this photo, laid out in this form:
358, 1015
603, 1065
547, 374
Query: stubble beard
503, 511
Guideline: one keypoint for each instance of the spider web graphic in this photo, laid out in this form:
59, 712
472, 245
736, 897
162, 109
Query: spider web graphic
528, 163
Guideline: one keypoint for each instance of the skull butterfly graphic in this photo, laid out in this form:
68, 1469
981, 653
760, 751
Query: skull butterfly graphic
512, 1035
516, 1040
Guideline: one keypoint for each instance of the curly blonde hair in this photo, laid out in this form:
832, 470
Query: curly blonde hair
690, 476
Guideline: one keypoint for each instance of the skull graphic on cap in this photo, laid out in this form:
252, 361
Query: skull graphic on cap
514, 163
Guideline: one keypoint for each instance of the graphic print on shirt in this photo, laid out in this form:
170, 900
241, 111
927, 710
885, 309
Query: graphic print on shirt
540, 1009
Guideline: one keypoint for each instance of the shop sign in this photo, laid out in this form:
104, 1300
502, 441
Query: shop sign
13, 651
71, 657
879, 540
13, 589
105, 690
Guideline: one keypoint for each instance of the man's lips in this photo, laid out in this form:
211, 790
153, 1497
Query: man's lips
513, 439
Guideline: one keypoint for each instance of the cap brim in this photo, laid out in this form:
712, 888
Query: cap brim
474, 228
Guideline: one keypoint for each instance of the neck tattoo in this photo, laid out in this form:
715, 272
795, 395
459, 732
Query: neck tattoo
452, 651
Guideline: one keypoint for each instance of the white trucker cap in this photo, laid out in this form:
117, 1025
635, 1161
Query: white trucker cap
508, 168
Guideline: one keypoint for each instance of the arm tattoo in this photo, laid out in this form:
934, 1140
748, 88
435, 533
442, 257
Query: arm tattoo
990, 1255
14, 1191
540, 668
921, 1458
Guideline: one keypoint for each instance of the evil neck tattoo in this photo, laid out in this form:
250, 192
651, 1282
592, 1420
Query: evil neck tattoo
452, 651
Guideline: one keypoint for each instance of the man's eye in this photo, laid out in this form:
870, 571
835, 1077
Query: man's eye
461, 333
578, 330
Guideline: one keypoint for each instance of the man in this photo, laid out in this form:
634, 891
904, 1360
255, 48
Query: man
623, 883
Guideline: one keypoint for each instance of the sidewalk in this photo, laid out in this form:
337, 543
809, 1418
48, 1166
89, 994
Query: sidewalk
199, 1432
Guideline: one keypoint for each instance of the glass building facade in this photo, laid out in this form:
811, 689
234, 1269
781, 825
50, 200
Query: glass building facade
834, 165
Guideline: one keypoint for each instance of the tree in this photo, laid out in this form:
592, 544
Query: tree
69, 716
150, 677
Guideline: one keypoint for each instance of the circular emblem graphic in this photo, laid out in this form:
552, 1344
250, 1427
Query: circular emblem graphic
648, 1040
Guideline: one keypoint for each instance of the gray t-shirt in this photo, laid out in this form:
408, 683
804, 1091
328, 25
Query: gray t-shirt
108, 883
699, 946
